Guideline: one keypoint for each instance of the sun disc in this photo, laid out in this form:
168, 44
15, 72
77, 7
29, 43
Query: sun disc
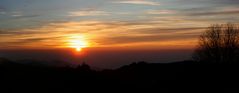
78, 43
78, 49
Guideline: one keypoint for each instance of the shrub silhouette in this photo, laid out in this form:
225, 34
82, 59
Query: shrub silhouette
219, 44
84, 68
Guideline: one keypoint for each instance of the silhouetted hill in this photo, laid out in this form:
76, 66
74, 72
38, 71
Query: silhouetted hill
4, 61
8, 63
185, 76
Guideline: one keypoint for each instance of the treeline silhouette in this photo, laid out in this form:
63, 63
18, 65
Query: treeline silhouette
184, 76
219, 44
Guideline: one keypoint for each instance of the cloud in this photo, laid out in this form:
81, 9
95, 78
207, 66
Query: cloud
211, 15
181, 30
37, 39
20, 32
30, 40
211, 2
89, 13
138, 2
2, 10
2, 13
144, 38
230, 12
155, 12
102, 33
230, 2
16, 14
24, 16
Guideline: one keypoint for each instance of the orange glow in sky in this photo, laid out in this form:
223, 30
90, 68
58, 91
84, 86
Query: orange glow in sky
77, 42
78, 49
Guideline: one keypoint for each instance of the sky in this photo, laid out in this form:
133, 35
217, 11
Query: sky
141, 24
107, 23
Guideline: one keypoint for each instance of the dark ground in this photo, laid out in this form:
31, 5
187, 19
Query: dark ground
185, 76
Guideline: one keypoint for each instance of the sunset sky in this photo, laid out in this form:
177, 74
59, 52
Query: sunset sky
109, 23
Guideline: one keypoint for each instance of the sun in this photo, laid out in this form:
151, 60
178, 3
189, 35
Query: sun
78, 43
78, 49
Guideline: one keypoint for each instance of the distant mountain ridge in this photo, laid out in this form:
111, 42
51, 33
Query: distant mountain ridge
196, 77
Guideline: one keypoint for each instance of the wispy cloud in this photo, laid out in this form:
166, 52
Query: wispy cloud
88, 13
2, 13
138, 2
160, 12
2, 10
103, 33
208, 13
16, 14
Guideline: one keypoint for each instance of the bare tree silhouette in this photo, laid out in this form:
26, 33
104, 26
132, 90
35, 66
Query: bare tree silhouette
219, 44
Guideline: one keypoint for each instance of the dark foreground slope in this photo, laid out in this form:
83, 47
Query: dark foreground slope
184, 76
